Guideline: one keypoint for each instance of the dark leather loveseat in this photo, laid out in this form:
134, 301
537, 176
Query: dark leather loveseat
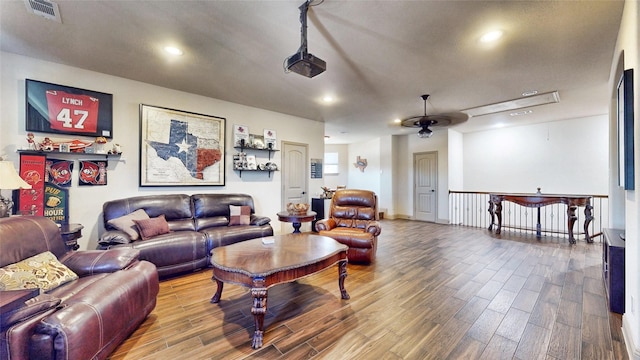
86, 318
197, 223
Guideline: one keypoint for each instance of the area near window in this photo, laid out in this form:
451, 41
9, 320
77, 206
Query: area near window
331, 163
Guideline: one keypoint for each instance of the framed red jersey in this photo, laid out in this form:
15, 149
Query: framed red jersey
61, 109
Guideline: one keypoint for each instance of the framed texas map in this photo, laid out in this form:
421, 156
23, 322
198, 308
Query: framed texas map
179, 148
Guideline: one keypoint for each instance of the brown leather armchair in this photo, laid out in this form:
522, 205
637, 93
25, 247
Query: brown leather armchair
86, 318
353, 221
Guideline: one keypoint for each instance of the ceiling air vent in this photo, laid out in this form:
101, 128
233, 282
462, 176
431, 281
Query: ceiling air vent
515, 104
47, 9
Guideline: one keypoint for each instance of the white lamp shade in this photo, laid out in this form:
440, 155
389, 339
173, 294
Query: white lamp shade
9, 178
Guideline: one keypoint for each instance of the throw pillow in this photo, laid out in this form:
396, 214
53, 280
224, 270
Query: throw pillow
151, 227
239, 215
126, 224
42, 271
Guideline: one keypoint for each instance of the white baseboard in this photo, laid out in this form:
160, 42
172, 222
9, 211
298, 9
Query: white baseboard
632, 348
397, 216
409, 217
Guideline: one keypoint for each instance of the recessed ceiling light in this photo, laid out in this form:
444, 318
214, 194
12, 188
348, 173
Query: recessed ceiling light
173, 50
327, 99
397, 121
491, 36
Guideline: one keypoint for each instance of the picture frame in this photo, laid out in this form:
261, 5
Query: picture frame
64, 147
60, 109
181, 148
625, 115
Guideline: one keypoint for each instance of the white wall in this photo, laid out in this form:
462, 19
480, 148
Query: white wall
629, 44
456, 160
408, 145
86, 202
561, 157
342, 178
387, 178
369, 179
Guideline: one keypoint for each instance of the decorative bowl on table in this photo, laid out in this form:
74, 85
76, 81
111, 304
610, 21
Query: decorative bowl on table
297, 208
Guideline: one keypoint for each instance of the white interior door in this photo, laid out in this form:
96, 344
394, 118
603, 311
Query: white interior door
425, 169
295, 181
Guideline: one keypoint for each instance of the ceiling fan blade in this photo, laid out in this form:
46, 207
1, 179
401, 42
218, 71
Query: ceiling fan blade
444, 119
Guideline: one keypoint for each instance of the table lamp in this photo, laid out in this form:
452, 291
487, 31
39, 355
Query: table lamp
9, 180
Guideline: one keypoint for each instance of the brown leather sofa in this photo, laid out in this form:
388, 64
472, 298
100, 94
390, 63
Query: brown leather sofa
85, 318
353, 221
197, 224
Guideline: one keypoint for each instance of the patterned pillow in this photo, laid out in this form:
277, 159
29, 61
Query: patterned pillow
239, 215
126, 224
42, 271
151, 227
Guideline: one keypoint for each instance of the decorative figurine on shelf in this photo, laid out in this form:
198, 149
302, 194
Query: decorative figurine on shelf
271, 166
32, 142
46, 144
116, 149
101, 141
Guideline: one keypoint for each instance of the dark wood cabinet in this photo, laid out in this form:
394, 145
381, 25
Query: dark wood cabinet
321, 207
613, 268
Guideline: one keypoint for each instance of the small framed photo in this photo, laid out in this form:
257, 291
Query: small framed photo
65, 147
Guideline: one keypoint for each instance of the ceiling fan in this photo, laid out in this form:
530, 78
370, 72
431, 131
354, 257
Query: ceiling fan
425, 121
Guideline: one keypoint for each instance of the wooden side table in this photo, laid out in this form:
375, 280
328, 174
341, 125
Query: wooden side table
296, 219
70, 234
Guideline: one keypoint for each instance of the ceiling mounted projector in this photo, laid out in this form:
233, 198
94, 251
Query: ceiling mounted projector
302, 62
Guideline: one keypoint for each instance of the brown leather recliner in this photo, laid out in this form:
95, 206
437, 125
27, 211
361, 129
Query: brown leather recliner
86, 318
353, 221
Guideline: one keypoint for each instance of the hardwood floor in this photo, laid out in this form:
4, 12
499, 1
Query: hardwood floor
434, 292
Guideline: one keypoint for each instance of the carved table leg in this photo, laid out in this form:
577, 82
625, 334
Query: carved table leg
538, 225
491, 215
571, 215
259, 308
342, 274
499, 216
587, 220
216, 297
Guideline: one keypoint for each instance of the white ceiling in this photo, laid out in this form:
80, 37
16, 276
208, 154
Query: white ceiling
381, 55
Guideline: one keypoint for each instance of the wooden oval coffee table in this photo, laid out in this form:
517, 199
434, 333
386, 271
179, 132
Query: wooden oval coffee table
264, 262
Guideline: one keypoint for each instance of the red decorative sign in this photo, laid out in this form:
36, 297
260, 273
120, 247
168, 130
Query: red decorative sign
32, 170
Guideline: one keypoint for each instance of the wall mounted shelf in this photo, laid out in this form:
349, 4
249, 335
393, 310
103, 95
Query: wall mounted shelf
74, 154
242, 149
258, 170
